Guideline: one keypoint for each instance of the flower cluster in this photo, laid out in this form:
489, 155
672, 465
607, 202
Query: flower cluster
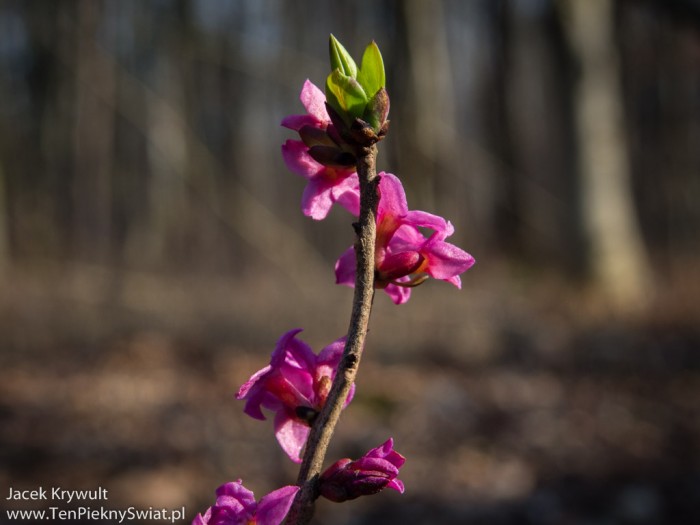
294, 385
342, 481
410, 247
235, 505
404, 256
321, 157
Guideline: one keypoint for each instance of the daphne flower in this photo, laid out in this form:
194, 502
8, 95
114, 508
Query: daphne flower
295, 386
321, 157
376, 470
235, 505
404, 257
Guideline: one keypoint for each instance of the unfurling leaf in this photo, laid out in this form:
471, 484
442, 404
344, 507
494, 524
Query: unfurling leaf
345, 94
341, 59
371, 75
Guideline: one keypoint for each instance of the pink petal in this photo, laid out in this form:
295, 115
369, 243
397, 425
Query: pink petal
445, 260
288, 388
323, 190
455, 281
296, 157
329, 357
202, 519
235, 496
314, 101
398, 294
245, 388
328, 361
406, 239
373, 464
399, 264
293, 351
386, 451
258, 398
317, 199
382, 450
273, 508
254, 394
393, 197
345, 268
351, 395
291, 435
293, 364
296, 122
396, 484
346, 192
428, 220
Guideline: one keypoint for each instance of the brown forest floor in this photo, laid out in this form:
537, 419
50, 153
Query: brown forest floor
512, 404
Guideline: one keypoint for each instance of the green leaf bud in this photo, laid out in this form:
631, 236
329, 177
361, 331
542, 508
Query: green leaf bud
341, 59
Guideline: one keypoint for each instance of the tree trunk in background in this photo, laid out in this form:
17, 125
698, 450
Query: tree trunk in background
432, 98
540, 126
171, 221
506, 224
131, 130
94, 140
617, 256
4, 235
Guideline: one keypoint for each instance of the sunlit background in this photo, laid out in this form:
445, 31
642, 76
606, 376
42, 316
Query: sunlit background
152, 251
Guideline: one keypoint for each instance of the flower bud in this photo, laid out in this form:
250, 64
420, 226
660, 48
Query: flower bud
395, 266
376, 470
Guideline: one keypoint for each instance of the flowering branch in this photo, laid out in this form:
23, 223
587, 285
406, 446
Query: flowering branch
337, 154
324, 426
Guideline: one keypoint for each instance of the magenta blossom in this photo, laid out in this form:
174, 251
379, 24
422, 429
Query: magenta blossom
376, 470
235, 505
295, 386
321, 158
404, 256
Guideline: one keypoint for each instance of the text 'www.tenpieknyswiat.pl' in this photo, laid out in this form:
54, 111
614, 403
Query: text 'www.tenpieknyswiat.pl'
58, 499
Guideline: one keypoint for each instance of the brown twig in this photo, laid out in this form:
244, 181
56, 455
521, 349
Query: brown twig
303, 507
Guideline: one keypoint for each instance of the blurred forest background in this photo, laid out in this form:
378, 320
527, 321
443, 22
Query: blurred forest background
152, 250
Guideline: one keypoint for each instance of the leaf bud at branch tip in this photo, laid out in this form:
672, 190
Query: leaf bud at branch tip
358, 97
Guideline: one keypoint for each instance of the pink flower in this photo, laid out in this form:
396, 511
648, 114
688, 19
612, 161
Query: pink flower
295, 386
321, 157
235, 505
376, 470
404, 256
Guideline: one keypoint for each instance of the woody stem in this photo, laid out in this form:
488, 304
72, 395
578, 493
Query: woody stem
322, 429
